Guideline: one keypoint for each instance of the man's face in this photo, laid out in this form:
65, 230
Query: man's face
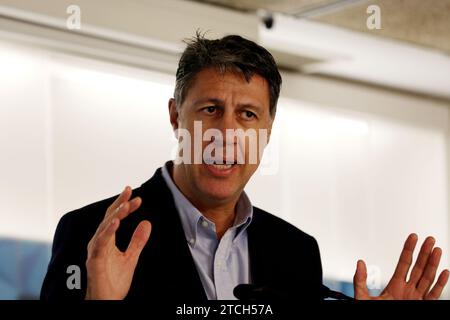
222, 101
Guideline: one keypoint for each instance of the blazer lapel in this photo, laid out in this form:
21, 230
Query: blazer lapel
167, 252
260, 263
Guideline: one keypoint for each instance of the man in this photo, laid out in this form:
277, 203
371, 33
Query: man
190, 232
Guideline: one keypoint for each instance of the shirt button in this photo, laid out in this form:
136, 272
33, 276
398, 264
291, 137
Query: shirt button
205, 224
192, 241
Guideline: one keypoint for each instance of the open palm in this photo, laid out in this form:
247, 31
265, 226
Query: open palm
109, 270
419, 284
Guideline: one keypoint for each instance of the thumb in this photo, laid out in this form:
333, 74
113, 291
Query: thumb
359, 281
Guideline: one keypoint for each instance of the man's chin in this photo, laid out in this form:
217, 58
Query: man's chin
219, 192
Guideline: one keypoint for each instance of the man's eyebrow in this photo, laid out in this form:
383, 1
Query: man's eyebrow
215, 101
250, 106
220, 102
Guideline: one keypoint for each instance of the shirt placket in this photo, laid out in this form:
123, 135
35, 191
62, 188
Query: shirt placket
222, 276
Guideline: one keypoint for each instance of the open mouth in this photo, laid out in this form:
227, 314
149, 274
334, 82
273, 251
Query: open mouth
225, 163
221, 168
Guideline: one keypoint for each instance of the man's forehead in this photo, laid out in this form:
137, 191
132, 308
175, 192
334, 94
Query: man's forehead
211, 85
226, 75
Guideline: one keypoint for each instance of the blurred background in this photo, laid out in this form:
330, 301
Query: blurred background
360, 153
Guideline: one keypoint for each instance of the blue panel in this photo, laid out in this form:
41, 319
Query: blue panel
23, 265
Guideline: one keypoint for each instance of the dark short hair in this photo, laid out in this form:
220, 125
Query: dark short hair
230, 53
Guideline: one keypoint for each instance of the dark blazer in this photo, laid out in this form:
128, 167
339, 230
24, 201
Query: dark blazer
281, 256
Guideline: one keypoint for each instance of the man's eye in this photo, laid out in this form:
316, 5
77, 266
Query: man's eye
210, 110
248, 115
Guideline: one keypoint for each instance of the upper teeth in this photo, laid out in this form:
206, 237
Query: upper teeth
222, 166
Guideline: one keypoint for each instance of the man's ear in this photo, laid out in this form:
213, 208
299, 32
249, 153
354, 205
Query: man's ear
173, 113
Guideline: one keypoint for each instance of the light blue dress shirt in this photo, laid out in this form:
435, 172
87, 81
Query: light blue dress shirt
222, 264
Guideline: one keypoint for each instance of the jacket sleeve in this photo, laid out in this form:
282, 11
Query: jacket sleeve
317, 269
66, 273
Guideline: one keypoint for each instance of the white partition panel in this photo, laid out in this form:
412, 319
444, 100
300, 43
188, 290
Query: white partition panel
23, 144
74, 131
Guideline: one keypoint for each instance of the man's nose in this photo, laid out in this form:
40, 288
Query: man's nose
227, 121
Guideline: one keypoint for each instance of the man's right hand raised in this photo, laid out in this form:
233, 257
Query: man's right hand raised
109, 270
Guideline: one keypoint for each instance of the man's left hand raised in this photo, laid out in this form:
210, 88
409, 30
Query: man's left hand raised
419, 284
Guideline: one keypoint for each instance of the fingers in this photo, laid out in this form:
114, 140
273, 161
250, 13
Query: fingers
139, 239
117, 211
123, 197
429, 274
110, 224
126, 208
134, 205
436, 292
97, 245
406, 257
422, 259
121, 211
359, 281
105, 236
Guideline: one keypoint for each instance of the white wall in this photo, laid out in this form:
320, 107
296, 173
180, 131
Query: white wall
359, 183
73, 132
358, 168
363, 168
23, 145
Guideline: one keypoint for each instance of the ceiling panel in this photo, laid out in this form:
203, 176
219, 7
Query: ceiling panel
281, 6
424, 23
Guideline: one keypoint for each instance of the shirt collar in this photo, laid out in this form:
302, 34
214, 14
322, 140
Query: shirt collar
191, 217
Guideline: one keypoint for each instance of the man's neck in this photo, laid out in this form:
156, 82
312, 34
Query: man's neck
221, 213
